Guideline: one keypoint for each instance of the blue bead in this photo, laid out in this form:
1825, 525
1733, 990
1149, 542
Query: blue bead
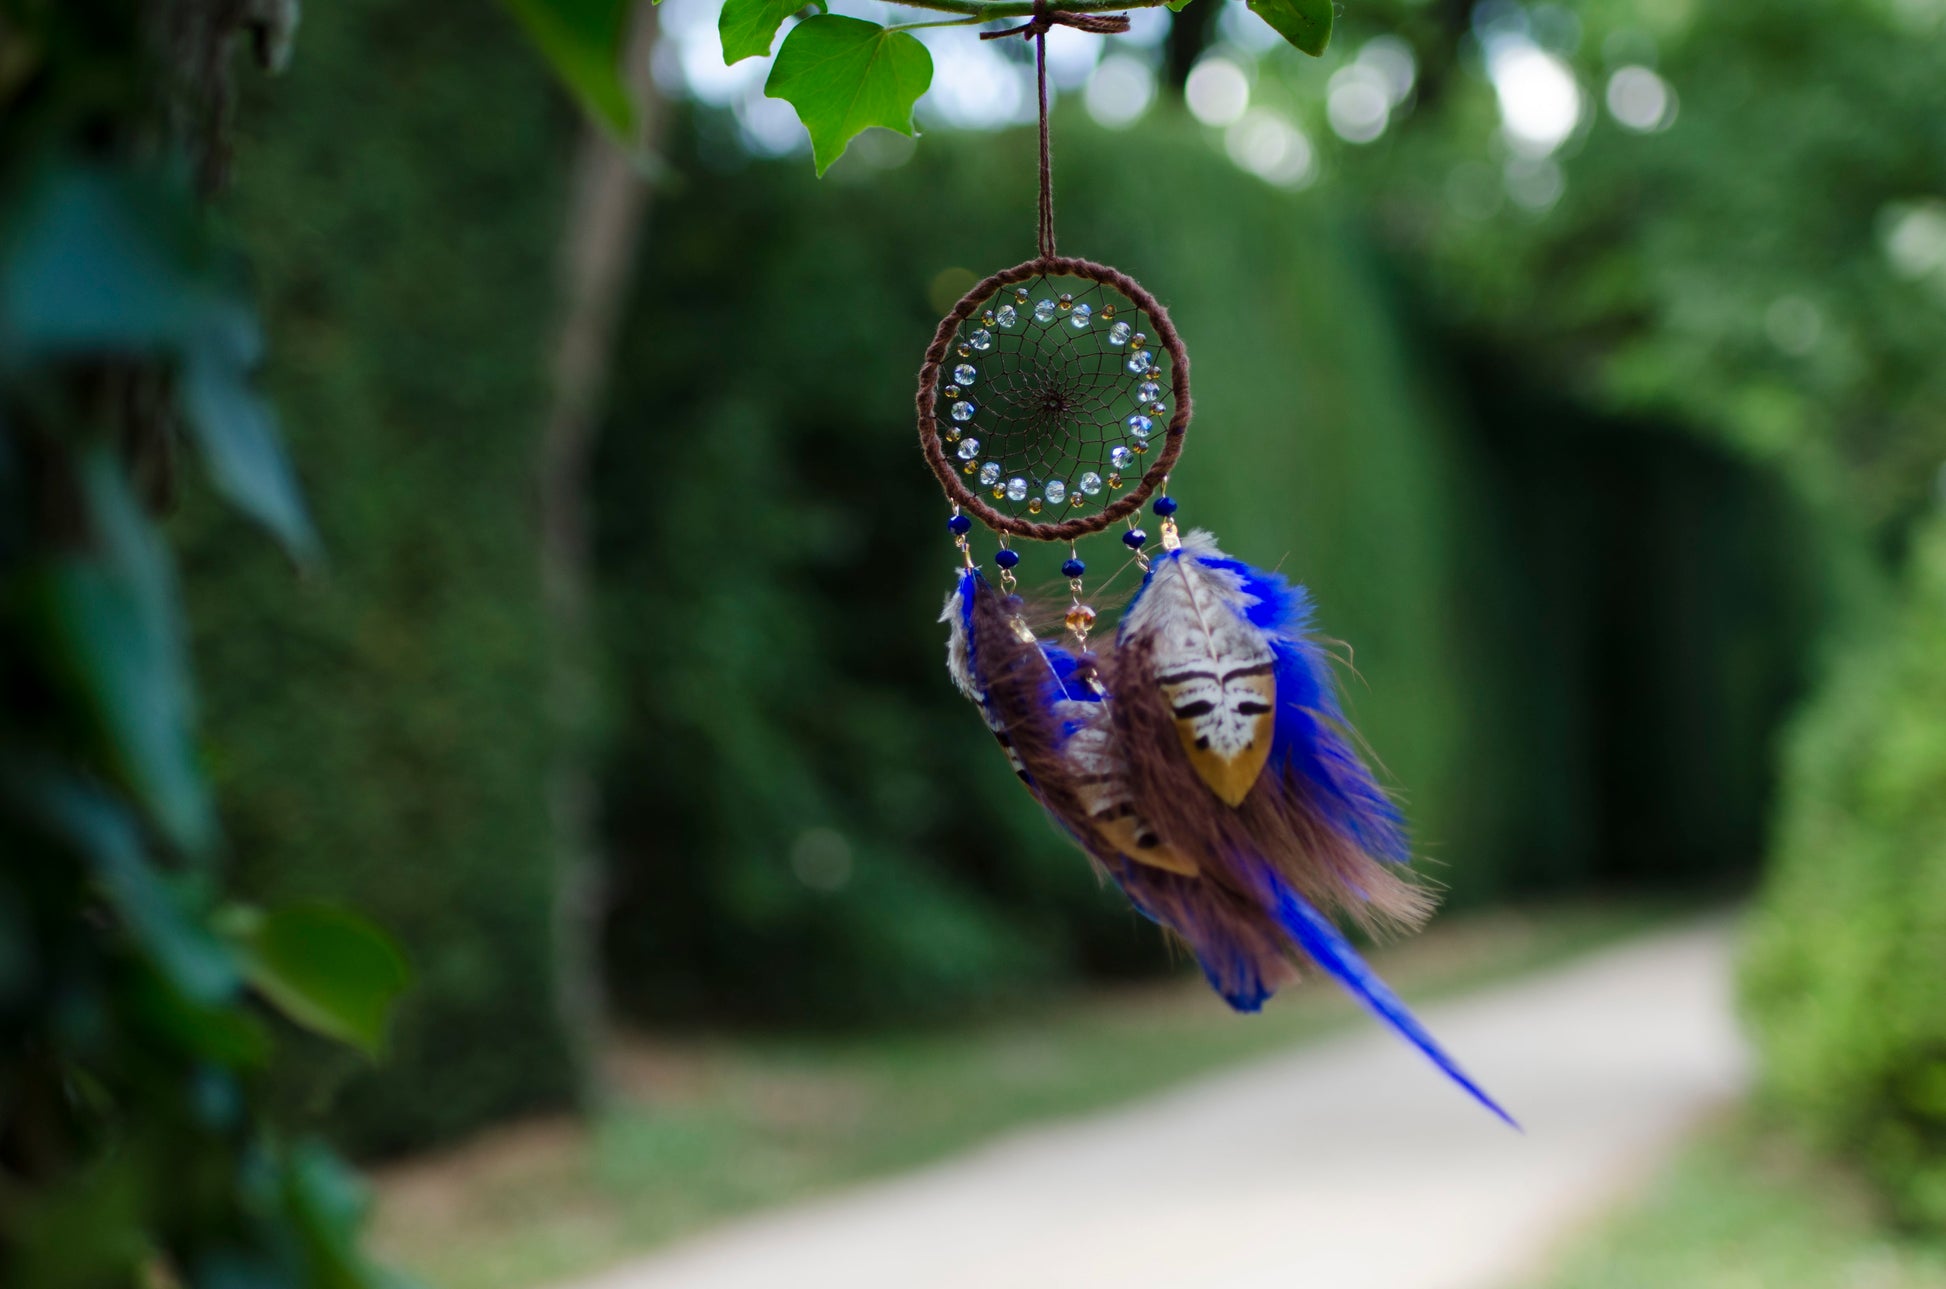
1073, 568
1006, 558
1134, 538
1164, 506
959, 525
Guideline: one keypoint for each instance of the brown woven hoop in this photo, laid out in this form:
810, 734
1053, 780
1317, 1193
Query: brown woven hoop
942, 344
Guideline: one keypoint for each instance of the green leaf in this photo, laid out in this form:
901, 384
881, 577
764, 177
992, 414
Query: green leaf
1176, 6
116, 627
1305, 23
749, 27
327, 1203
324, 967
103, 262
582, 40
845, 75
237, 432
83, 1226
200, 967
222, 1032
100, 261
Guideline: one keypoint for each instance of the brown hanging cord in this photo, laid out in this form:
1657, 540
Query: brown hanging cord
1036, 29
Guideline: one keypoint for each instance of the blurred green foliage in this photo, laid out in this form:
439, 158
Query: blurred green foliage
803, 821
1763, 270
1768, 270
135, 1142
378, 732
1846, 969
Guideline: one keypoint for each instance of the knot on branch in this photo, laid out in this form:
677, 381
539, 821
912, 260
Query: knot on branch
1099, 24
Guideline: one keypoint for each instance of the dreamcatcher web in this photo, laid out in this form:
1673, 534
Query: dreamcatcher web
1055, 395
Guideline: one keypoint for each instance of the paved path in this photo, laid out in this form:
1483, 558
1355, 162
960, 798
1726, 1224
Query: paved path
1346, 1165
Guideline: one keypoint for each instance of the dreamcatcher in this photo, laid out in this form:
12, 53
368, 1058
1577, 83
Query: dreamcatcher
1200, 757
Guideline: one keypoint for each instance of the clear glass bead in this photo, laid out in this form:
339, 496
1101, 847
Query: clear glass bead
1147, 392
963, 410
1120, 457
1119, 333
1138, 362
1016, 489
1056, 492
1089, 483
1043, 310
965, 374
981, 340
989, 474
1139, 426
1080, 317
968, 449
1005, 315
1020, 294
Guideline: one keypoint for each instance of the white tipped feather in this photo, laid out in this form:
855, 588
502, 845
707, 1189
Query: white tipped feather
959, 665
959, 651
1215, 669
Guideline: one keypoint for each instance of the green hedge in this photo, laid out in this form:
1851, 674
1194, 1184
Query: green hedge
1845, 976
376, 730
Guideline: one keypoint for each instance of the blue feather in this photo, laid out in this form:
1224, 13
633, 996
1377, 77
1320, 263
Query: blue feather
1249, 994
1325, 945
1309, 739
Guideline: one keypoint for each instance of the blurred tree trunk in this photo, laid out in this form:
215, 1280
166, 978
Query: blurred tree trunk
1190, 32
608, 205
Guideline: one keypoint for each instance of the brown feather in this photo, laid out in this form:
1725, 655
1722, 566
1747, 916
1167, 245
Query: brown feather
1276, 822
1064, 748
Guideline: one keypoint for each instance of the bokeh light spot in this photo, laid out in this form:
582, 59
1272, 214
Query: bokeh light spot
1640, 100
1120, 91
1218, 92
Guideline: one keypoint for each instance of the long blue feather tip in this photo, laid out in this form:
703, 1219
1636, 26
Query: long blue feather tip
1325, 945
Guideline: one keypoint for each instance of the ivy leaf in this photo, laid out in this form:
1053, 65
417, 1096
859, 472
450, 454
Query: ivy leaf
194, 962
111, 263
117, 629
845, 75
328, 1203
582, 40
325, 967
1304, 23
748, 27
237, 432
1176, 6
